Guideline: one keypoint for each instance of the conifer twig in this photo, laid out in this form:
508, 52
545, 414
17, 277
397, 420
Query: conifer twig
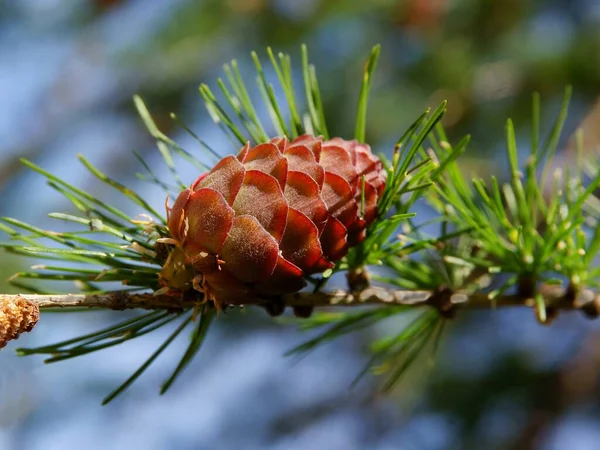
556, 298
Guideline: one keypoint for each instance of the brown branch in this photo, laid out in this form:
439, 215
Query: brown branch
17, 311
556, 297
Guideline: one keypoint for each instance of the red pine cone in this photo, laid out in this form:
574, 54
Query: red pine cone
257, 223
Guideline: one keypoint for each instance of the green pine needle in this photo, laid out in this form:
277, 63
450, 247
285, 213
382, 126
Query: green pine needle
363, 97
148, 362
196, 340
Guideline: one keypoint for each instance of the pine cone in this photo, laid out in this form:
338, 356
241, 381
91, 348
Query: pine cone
255, 224
17, 315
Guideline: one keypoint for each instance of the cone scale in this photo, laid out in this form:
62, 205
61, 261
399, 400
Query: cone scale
257, 223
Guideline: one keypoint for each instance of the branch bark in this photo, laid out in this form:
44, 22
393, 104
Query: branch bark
556, 298
18, 311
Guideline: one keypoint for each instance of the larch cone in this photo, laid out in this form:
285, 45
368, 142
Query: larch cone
17, 316
258, 222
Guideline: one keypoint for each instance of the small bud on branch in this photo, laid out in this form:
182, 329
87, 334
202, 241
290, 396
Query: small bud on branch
17, 315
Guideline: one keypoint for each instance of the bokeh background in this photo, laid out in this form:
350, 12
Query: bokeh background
68, 71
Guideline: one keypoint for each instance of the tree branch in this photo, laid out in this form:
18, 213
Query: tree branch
16, 311
556, 298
